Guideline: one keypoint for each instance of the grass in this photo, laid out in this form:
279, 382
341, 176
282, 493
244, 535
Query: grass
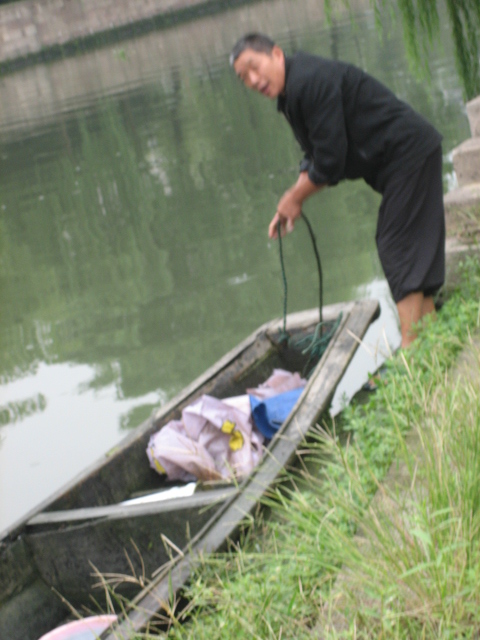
414, 569
349, 550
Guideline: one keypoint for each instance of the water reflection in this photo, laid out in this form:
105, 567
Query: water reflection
14, 411
45, 92
135, 194
75, 405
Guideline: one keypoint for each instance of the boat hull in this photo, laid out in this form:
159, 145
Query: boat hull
85, 530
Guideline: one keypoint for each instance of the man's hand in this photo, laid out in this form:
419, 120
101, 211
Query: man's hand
288, 210
290, 206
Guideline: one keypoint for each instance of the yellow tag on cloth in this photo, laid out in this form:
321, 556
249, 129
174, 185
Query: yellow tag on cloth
228, 426
158, 466
236, 441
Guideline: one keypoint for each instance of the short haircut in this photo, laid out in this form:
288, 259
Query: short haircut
256, 41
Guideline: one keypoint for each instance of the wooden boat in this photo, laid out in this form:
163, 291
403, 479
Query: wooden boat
88, 526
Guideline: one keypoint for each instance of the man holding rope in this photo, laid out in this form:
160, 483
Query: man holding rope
351, 126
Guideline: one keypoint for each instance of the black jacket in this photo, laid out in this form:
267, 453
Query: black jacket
349, 125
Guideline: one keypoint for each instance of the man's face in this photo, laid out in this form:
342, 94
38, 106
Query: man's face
262, 72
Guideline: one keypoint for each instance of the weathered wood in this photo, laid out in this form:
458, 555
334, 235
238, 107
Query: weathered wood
17, 569
29, 614
103, 537
68, 558
121, 511
224, 525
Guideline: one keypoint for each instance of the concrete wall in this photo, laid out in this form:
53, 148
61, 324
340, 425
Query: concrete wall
30, 26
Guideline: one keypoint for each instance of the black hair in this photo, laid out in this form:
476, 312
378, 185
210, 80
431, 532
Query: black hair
256, 41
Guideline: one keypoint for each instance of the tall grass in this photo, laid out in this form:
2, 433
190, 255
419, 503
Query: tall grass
413, 570
349, 551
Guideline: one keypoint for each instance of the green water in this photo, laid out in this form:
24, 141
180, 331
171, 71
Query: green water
136, 186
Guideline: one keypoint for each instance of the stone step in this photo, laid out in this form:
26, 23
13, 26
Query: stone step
463, 197
473, 113
462, 213
466, 161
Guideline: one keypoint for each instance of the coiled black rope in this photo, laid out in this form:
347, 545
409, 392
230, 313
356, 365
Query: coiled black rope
284, 278
317, 342
319, 266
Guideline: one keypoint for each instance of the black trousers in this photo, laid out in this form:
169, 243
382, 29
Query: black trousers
411, 230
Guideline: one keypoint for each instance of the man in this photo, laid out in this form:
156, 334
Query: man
351, 126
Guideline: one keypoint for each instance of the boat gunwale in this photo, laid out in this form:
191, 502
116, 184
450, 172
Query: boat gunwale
120, 511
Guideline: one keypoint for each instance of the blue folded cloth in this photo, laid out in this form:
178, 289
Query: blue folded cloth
269, 414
